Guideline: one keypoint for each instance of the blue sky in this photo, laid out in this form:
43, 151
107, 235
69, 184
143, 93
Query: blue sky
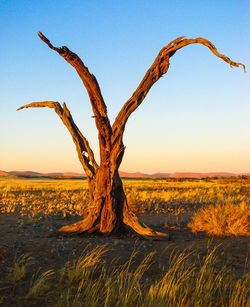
195, 118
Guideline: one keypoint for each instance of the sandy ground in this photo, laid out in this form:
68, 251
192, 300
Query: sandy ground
38, 239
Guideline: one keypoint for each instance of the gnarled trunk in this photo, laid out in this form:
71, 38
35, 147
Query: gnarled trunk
108, 210
105, 209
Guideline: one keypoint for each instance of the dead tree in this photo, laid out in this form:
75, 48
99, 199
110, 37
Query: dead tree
108, 211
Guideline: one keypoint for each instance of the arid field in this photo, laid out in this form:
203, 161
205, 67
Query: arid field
205, 262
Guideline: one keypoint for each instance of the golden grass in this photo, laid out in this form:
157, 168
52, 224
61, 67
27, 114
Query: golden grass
40, 197
40, 285
227, 219
221, 203
187, 281
79, 270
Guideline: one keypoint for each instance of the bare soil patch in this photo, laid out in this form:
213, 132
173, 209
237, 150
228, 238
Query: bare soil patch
48, 249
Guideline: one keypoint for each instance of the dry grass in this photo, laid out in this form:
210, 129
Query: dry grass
34, 199
40, 197
79, 270
188, 280
40, 285
222, 220
19, 270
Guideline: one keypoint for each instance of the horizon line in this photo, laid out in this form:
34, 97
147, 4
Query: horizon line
134, 172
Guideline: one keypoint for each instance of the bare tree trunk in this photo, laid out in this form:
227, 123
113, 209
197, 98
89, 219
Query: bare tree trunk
108, 210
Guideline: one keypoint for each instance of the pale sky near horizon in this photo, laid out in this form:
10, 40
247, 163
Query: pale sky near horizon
195, 118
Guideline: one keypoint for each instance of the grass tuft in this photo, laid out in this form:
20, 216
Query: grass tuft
19, 271
227, 219
190, 279
40, 285
81, 269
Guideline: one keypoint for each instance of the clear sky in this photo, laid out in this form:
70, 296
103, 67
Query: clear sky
195, 118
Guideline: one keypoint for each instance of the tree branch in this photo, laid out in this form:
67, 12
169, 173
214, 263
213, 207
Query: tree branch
90, 83
80, 141
157, 69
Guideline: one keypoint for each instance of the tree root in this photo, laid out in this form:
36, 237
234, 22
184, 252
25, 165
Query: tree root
85, 225
131, 220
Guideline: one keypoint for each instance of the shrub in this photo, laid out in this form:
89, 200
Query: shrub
227, 219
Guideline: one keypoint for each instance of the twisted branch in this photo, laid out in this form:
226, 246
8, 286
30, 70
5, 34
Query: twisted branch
157, 69
90, 83
80, 141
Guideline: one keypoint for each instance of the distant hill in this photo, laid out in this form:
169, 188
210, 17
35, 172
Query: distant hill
161, 175
37, 174
2, 173
125, 174
66, 174
25, 173
133, 175
201, 175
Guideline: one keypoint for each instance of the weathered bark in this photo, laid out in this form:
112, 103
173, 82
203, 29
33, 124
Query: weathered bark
108, 211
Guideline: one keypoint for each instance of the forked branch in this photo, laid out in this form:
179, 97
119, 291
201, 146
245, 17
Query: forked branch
88, 161
157, 69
